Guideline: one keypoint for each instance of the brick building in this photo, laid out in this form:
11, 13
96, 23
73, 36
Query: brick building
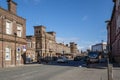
46, 44
12, 36
113, 29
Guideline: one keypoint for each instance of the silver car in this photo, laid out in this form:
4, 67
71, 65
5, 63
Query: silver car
62, 59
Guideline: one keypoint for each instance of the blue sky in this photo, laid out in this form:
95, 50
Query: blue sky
81, 21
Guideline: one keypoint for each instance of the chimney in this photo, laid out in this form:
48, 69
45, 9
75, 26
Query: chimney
12, 6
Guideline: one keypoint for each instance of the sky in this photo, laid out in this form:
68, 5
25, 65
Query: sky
79, 21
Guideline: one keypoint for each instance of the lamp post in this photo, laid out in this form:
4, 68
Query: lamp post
15, 34
109, 70
2, 17
109, 66
63, 49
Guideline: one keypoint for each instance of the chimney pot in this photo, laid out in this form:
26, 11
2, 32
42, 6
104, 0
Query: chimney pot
12, 6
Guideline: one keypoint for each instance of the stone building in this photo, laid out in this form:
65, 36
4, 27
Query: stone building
62, 49
45, 41
12, 36
113, 29
73, 49
46, 44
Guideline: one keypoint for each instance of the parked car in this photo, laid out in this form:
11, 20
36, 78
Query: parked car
62, 59
93, 57
45, 59
54, 58
84, 58
103, 60
77, 58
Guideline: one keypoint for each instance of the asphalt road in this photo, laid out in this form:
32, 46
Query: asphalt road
56, 71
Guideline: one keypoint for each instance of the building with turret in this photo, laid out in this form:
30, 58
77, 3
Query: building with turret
46, 44
73, 48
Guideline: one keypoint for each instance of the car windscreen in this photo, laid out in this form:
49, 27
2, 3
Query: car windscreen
93, 54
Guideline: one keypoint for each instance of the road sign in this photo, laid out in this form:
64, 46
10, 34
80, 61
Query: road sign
24, 47
18, 49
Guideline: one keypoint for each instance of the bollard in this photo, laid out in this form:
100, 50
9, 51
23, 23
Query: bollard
110, 73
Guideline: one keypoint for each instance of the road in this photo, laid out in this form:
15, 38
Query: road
56, 71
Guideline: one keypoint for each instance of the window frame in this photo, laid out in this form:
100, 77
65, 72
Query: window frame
28, 44
7, 52
19, 30
33, 44
8, 29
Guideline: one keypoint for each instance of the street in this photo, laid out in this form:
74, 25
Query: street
57, 71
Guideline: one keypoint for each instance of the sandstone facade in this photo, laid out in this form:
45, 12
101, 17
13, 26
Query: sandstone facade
12, 36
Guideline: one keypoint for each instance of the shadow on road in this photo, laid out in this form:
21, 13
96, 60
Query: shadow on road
72, 63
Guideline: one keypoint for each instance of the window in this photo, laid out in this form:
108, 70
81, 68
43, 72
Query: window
19, 30
8, 27
38, 45
0, 29
33, 45
118, 23
8, 53
118, 44
119, 2
29, 44
18, 56
36, 32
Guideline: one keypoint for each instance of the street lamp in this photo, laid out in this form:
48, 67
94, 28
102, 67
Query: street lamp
109, 66
63, 49
2, 17
15, 34
63, 52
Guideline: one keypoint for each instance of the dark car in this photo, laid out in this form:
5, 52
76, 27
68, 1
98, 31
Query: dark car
45, 59
77, 58
84, 58
54, 58
93, 57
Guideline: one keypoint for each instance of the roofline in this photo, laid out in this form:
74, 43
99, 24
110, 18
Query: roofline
113, 11
12, 13
40, 26
114, 0
30, 36
12, 2
51, 32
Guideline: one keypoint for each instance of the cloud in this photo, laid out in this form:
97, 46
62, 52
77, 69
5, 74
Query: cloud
84, 45
67, 40
84, 18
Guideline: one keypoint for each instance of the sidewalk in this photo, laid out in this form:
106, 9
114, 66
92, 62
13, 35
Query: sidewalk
98, 65
116, 64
